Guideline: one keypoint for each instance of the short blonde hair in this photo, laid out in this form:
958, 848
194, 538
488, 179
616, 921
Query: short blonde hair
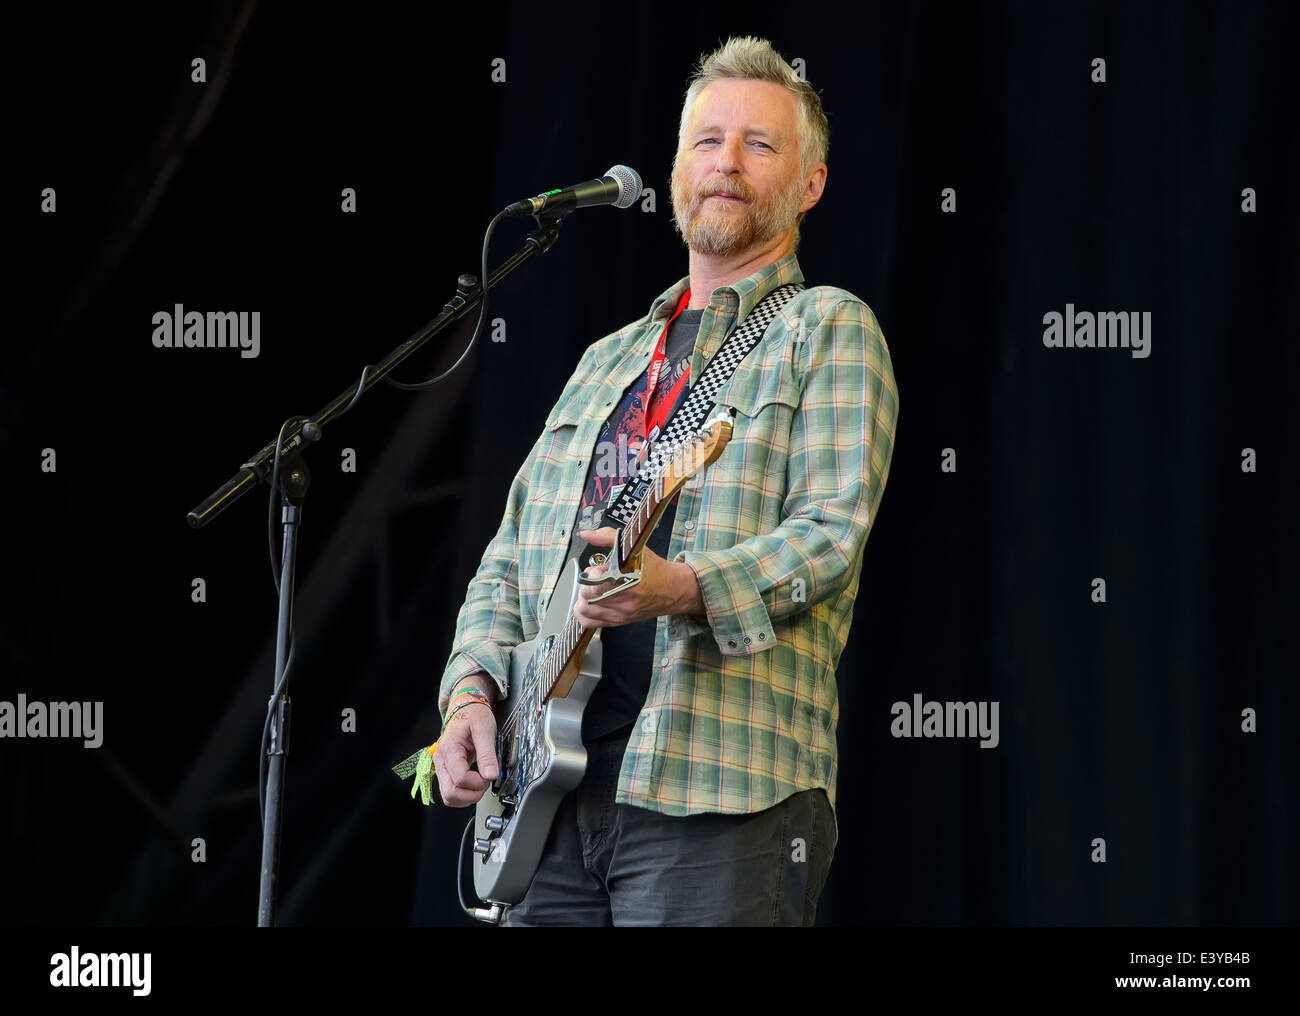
751, 58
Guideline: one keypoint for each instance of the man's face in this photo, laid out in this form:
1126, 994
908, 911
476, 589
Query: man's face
736, 181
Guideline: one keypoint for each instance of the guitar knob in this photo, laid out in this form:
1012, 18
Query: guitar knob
508, 801
483, 847
496, 823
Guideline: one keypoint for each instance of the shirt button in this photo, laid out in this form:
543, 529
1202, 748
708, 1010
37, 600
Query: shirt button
665, 661
732, 643
746, 640
690, 524
762, 636
673, 631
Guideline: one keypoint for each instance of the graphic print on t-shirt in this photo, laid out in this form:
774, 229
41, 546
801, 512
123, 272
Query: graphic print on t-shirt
623, 436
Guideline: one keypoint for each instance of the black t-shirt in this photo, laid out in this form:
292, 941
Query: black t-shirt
628, 649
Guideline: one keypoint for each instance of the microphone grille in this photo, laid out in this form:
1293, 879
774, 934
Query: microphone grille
629, 185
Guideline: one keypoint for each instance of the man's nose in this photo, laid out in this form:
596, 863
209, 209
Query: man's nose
729, 154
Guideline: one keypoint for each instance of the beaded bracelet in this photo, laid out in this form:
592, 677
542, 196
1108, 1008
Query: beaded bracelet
470, 692
461, 705
467, 690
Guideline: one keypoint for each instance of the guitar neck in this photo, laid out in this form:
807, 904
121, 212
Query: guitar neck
560, 669
562, 665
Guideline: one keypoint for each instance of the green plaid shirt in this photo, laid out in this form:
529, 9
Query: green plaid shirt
742, 710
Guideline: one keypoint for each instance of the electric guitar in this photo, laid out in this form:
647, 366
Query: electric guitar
552, 677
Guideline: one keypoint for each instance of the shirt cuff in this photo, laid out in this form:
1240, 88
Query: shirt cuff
488, 657
736, 613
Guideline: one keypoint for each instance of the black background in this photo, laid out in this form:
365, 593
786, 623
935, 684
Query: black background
1118, 720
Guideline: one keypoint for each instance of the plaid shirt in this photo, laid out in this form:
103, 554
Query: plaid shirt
742, 706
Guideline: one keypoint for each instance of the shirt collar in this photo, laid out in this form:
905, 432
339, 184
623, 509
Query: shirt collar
733, 302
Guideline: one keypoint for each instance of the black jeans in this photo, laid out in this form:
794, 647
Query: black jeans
617, 864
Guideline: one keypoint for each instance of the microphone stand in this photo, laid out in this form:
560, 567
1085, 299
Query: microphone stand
293, 481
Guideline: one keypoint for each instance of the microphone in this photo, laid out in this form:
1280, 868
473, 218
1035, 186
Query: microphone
620, 187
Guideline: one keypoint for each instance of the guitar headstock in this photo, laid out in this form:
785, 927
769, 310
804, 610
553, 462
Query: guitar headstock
701, 450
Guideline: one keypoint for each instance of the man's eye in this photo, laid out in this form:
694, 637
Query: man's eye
764, 144
708, 141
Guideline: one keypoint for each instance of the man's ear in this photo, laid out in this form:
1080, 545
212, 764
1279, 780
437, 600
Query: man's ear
816, 184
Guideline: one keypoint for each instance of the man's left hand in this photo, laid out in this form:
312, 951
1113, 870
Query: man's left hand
666, 587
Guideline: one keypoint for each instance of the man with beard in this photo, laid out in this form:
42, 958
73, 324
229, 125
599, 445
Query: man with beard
709, 792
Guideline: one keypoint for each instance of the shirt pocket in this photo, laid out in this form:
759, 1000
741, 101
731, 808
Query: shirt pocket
762, 392
570, 409
764, 376
752, 468
577, 405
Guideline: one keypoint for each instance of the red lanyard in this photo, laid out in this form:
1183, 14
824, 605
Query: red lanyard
656, 417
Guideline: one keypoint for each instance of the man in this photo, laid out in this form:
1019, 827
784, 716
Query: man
709, 790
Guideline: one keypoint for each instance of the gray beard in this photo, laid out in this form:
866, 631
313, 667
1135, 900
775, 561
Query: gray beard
724, 235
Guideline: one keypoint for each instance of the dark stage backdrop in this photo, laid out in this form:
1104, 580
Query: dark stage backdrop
1153, 713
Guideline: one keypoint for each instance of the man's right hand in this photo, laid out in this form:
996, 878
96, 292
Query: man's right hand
471, 735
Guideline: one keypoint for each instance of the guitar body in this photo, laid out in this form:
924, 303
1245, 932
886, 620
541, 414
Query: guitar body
541, 762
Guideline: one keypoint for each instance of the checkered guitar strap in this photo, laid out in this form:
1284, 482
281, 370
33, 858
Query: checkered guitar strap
689, 417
